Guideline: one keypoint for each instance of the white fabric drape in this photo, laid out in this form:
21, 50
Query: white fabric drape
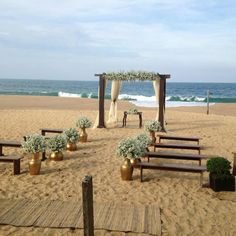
115, 89
97, 117
156, 85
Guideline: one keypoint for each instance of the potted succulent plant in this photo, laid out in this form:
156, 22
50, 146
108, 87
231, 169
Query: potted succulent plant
34, 144
129, 149
72, 137
152, 127
56, 145
83, 123
220, 177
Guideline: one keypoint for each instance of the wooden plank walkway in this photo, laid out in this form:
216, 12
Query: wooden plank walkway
58, 214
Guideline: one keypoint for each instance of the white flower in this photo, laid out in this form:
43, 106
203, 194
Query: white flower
34, 143
83, 122
152, 126
71, 135
57, 143
129, 148
133, 110
132, 75
144, 141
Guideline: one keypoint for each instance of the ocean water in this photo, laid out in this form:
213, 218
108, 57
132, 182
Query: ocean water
138, 93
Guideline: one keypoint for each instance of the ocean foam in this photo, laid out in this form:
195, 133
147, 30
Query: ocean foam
69, 95
171, 101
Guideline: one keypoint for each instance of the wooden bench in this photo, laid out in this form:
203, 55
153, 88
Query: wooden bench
171, 167
180, 138
177, 146
176, 156
5, 143
15, 160
48, 130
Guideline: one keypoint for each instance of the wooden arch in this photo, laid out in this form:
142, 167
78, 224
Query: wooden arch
101, 98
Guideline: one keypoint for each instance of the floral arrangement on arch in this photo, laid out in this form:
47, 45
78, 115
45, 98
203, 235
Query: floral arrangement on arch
34, 143
71, 135
152, 126
57, 143
83, 122
132, 75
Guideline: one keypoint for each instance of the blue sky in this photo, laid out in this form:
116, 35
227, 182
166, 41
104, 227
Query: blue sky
193, 40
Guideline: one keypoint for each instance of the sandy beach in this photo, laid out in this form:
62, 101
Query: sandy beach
186, 208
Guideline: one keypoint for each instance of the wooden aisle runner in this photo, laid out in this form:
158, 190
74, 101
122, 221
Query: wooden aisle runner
58, 214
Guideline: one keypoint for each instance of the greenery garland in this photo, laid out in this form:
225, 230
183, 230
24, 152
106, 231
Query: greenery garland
132, 75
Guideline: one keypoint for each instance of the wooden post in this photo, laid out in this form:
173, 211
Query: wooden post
161, 104
87, 188
101, 123
164, 96
208, 96
234, 164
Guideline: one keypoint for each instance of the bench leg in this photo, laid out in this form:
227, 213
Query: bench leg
16, 167
201, 179
141, 174
44, 156
200, 162
1, 154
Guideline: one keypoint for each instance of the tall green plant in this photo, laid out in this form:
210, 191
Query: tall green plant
219, 166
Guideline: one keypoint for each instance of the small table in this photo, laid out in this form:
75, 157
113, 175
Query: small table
125, 118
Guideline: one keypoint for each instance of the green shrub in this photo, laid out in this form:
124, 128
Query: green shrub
218, 166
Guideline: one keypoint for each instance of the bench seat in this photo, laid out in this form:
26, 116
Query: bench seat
180, 138
49, 130
7, 143
178, 146
15, 160
170, 167
176, 156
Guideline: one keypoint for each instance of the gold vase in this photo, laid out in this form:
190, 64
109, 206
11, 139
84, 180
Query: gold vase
56, 156
152, 134
83, 136
35, 164
126, 170
134, 161
71, 146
